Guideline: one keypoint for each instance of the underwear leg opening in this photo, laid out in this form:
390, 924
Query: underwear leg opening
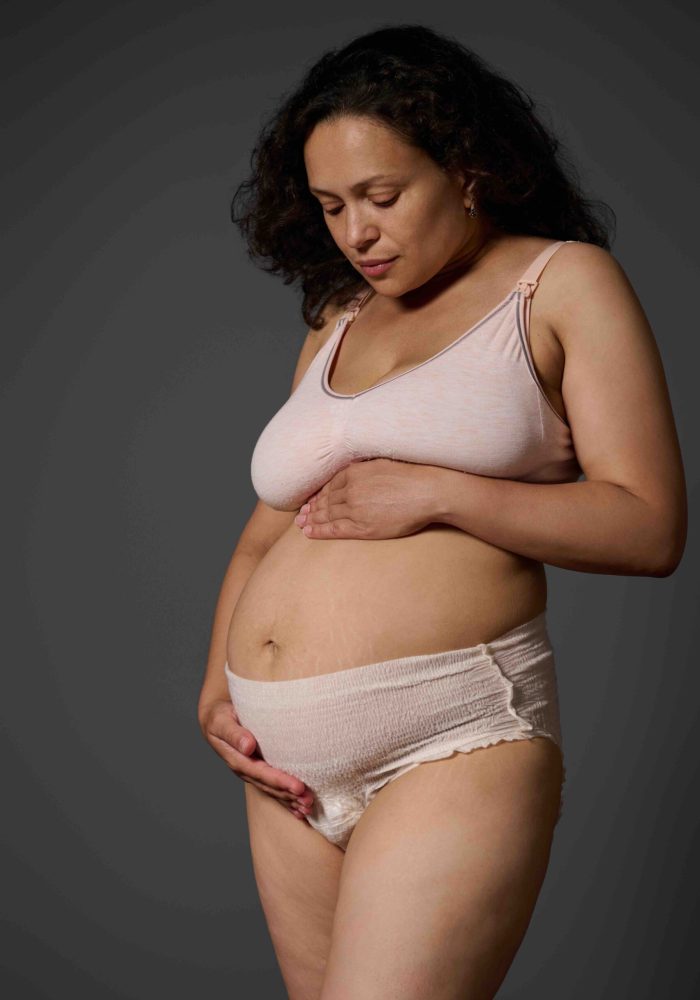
483, 743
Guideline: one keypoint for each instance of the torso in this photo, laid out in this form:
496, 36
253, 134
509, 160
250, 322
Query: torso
314, 606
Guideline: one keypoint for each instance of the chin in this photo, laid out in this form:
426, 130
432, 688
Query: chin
390, 293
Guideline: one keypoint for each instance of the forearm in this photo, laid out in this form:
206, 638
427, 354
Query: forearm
240, 568
593, 527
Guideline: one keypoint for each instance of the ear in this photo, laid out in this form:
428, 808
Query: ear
467, 185
468, 189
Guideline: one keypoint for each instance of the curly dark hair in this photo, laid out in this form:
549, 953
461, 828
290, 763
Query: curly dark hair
437, 95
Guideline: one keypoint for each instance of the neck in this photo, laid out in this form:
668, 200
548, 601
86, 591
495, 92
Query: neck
477, 244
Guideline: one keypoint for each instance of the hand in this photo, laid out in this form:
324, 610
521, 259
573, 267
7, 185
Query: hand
374, 498
222, 730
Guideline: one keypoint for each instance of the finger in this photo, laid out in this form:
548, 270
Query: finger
318, 515
332, 528
318, 502
288, 799
335, 484
319, 495
263, 771
244, 741
282, 797
301, 803
287, 785
334, 510
236, 736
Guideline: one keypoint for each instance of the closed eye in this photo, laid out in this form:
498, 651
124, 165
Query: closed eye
379, 204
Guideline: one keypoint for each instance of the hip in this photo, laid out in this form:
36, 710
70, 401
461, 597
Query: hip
348, 733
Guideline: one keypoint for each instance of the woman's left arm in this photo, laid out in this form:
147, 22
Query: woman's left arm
629, 516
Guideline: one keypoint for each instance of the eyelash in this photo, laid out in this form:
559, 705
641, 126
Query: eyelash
379, 204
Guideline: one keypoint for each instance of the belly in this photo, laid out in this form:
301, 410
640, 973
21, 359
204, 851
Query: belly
314, 606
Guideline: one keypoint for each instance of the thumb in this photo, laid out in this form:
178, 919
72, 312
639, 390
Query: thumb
245, 741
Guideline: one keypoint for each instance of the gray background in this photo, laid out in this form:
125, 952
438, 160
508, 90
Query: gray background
143, 354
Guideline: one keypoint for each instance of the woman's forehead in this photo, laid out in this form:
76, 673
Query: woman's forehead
359, 154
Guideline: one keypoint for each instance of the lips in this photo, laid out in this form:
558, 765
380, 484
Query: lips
375, 270
375, 261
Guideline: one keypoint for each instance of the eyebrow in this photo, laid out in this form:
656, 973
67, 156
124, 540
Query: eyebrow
360, 184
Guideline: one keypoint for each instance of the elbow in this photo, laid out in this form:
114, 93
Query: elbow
667, 566
664, 569
657, 538
664, 532
668, 554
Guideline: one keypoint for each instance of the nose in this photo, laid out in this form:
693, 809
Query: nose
359, 232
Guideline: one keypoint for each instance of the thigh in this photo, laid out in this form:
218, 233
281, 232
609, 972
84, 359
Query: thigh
442, 873
297, 873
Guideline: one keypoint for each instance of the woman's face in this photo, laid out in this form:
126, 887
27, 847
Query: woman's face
384, 198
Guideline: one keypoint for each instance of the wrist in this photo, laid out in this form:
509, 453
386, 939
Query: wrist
439, 480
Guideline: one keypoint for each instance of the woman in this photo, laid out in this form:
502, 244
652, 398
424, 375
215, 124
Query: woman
380, 666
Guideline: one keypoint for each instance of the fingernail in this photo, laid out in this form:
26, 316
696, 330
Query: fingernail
244, 745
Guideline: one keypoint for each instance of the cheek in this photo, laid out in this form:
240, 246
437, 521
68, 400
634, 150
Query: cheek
435, 236
449, 216
448, 233
334, 230
433, 222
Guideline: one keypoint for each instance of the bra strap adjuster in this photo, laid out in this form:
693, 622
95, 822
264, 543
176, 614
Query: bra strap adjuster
527, 287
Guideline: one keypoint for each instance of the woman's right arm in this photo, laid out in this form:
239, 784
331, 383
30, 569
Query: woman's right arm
215, 713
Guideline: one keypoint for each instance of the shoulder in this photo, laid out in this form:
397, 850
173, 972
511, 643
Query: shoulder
581, 282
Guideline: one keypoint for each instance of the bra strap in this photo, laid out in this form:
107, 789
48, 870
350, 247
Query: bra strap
357, 301
354, 306
529, 281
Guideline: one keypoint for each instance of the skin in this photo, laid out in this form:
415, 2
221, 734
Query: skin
441, 912
417, 211
630, 515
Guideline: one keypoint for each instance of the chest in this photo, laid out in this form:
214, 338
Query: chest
375, 354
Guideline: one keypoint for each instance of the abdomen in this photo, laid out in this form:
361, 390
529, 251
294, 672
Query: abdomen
314, 606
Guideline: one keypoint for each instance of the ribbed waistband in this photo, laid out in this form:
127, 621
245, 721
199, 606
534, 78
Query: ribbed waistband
512, 646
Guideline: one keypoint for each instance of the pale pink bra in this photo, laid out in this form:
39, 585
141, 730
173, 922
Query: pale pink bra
476, 406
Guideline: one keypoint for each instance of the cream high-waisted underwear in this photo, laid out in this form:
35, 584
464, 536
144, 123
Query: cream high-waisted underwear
347, 733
